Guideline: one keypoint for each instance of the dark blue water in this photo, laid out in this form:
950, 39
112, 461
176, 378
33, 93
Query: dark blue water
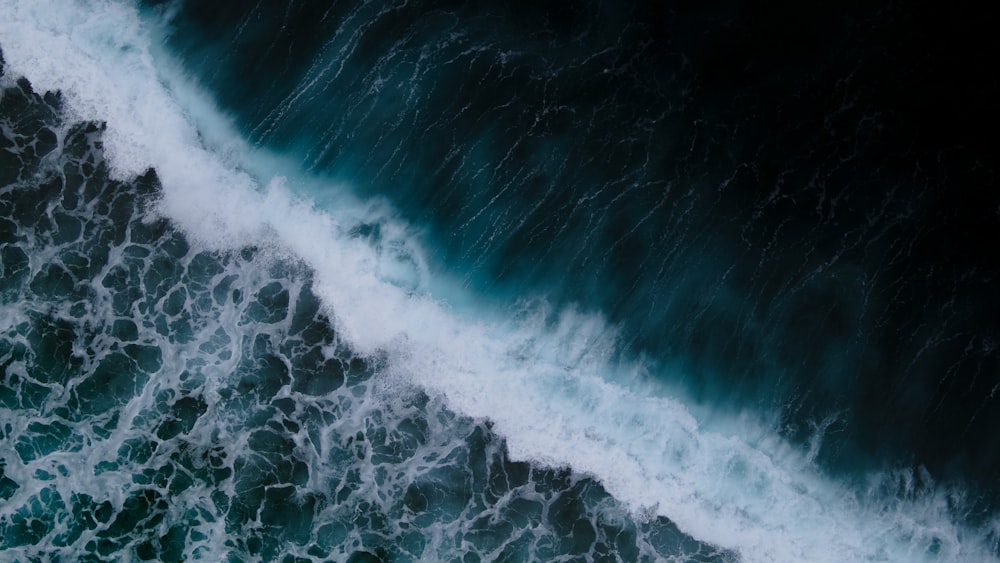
781, 214
793, 202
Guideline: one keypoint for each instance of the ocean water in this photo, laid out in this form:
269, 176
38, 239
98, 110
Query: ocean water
497, 281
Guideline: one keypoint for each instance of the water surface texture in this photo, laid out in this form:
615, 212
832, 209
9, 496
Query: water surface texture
497, 281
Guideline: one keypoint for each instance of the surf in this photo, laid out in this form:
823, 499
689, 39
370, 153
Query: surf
552, 381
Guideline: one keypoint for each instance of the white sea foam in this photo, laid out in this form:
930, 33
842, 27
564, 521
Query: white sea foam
546, 379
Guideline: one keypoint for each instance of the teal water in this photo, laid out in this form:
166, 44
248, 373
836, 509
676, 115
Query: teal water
494, 281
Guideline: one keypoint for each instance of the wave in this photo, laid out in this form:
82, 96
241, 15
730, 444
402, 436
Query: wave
552, 381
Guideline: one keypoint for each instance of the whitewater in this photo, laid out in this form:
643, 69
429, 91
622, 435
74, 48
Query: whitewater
550, 380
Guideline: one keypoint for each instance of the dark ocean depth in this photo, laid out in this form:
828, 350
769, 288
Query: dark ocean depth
784, 215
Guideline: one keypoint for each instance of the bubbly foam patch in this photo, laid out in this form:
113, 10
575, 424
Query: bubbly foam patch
551, 382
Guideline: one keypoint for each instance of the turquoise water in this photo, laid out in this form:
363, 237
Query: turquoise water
486, 282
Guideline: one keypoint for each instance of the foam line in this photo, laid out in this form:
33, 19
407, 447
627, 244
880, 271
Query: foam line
547, 379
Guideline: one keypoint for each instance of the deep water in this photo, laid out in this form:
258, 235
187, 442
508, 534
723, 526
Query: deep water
477, 281
791, 203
